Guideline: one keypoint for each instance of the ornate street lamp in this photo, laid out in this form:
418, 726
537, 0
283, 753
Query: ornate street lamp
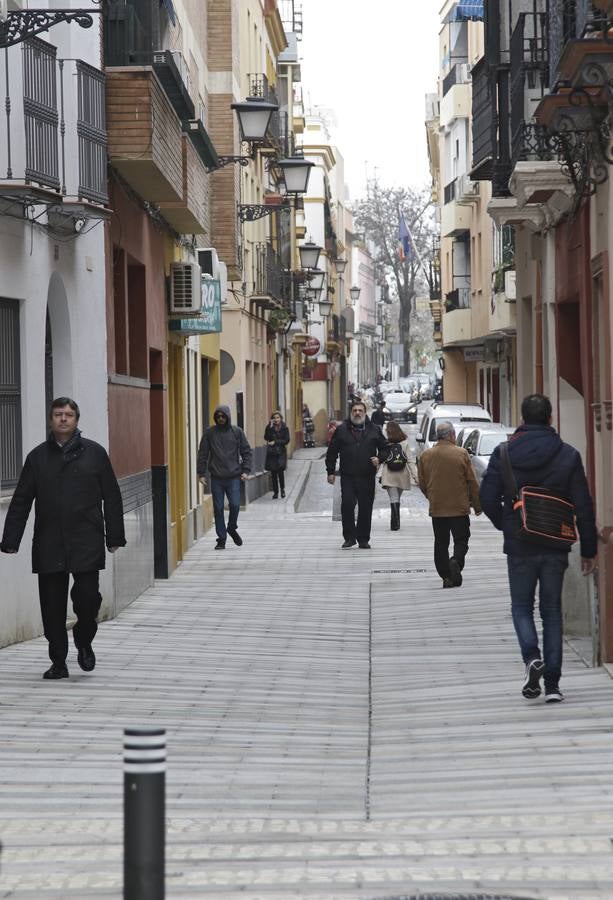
254, 116
354, 293
340, 265
309, 255
325, 308
316, 279
295, 172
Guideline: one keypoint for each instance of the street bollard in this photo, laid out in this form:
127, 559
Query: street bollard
144, 823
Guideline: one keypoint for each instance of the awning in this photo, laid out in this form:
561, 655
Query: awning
167, 4
466, 9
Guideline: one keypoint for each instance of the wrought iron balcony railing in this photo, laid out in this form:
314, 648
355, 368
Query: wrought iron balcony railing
55, 114
529, 84
568, 19
268, 273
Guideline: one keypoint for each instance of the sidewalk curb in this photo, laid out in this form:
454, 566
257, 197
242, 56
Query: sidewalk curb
302, 487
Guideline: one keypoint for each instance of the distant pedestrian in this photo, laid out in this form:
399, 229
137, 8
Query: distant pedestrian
308, 427
378, 416
447, 479
225, 454
78, 508
395, 473
361, 446
539, 458
276, 436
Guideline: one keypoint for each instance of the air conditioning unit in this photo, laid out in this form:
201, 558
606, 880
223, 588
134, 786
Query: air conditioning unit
185, 289
208, 261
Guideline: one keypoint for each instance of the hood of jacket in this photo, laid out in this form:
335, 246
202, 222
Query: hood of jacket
223, 409
533, 447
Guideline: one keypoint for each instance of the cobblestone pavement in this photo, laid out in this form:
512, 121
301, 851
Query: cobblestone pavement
338, 727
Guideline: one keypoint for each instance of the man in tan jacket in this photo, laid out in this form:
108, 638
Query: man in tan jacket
447, 479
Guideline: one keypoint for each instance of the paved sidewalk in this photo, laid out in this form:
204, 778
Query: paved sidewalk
338, 726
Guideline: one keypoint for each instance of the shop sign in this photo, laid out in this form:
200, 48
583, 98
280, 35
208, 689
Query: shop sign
311, 347
474, 354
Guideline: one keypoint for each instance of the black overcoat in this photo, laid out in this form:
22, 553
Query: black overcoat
68, 490
276, 457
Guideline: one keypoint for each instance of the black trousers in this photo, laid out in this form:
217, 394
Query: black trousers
278, 481
445, 527
86, 600
360, 490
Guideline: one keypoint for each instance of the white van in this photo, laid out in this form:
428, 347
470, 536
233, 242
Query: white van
459, 414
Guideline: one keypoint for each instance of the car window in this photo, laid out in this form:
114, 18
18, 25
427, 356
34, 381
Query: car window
471, 442
489, 442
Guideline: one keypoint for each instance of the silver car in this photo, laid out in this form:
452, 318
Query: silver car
481, 443
399, 407
459, 414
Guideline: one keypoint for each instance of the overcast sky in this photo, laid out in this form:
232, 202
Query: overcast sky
371, 64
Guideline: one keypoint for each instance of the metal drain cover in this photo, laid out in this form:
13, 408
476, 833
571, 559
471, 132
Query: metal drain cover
451, 897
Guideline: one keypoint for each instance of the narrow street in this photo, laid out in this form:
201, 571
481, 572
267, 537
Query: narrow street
338, 726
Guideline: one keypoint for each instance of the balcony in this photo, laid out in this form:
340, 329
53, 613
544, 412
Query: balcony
457, 75
503, 309
279, 129
529, 84
53, 148
457, 327
484, 122
190, 215
568, 19
455, 216
269, 283
144, 135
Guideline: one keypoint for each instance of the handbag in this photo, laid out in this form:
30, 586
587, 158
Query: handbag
540, 516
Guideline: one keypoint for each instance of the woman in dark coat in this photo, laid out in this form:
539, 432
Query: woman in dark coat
277, 439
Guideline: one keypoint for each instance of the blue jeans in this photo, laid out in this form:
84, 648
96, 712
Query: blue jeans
525, 572
220, 489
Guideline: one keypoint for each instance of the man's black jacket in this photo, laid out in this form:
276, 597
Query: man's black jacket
355, 453
69, 490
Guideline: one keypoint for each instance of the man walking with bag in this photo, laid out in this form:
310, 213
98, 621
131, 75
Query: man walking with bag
539, 458
361, 446
447, 479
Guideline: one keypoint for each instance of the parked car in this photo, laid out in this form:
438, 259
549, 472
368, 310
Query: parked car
481, 443
459, 414
411, 387
400, 407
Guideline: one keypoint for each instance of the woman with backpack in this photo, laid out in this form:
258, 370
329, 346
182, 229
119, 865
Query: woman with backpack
395, 475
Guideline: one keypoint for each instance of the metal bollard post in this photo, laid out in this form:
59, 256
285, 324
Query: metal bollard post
144, 801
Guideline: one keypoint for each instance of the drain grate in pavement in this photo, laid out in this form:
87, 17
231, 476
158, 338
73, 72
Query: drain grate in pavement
398, 572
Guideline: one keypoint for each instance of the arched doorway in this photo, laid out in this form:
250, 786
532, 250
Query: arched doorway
58, 345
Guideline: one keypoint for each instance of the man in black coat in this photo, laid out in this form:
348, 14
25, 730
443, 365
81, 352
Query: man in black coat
69, 478
361, 446
539, 458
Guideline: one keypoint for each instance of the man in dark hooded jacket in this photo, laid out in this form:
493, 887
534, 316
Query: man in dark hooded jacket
361, 447
539, 458
69, 478
225, 454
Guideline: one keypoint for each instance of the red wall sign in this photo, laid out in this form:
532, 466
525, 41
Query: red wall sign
311, 347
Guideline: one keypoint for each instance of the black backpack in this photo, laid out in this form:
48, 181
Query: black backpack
396, 461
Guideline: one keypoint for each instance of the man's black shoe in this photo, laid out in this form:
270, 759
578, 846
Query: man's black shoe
363, 545
220, 545
283, 493
553, 694
348, 543
86, 658
56, 672
456, 573
275, 496
531, 687
448, 583
236, 537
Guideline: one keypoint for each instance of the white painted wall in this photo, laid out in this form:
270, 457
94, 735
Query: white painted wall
36, 267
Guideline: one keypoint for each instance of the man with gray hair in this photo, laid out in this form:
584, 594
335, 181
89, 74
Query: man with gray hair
447, 479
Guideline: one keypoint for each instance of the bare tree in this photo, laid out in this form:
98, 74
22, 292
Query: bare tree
378, 215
